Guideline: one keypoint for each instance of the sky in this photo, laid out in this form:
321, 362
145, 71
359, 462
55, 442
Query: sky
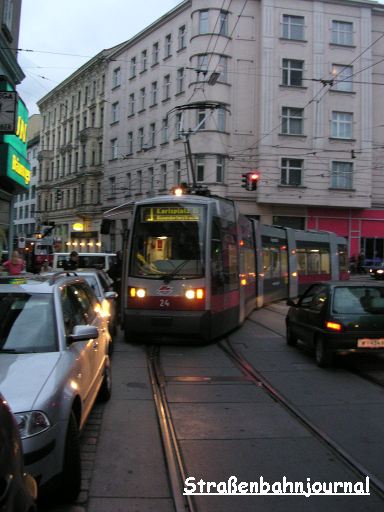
79, 28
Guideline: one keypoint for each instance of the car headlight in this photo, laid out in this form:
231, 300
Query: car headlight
380, 271
31, 423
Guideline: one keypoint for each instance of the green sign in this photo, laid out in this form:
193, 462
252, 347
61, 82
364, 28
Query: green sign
13, 150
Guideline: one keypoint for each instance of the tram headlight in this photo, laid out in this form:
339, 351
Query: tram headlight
140, 293
194, 293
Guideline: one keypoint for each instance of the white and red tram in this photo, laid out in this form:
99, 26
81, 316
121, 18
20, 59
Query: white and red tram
194, 268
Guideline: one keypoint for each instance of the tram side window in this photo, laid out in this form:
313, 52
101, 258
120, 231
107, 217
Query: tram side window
343, 258
325, 262
275, 262
266, 262
301, 257
217, 272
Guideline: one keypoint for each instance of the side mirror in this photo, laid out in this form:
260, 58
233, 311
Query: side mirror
110, 295
291, 302
83, 333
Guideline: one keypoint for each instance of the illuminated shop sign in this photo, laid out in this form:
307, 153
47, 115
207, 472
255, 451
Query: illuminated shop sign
170, 214
13, 150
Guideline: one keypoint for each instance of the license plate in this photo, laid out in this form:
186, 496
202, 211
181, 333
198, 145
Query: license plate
370, 343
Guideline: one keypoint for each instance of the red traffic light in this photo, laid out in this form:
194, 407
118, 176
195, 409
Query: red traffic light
254, 176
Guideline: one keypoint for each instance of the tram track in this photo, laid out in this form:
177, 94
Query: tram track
259, 380
172, 453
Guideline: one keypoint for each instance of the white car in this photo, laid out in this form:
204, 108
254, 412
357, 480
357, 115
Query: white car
54, 363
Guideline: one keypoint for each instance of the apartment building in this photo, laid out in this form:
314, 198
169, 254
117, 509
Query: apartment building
287, 88
71, 156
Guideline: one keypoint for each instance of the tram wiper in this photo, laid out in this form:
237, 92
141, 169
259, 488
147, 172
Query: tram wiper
167, 278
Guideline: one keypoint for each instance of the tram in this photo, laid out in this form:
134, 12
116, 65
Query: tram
194, 268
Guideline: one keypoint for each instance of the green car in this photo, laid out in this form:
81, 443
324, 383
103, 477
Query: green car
338, 316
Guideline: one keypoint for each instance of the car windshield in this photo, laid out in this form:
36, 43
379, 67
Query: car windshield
358, 299
168, 241
27, 323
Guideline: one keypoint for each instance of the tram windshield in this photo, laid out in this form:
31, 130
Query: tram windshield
168, 241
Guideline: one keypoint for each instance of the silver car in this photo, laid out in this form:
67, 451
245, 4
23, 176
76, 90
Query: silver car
54, 363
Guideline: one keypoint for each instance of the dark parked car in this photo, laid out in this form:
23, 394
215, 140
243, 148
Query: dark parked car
17, 489
342, 317
377, 271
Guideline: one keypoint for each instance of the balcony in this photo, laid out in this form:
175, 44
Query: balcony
88, 210
90, 133
45, 154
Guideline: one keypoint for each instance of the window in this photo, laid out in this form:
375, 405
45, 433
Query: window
177, 172
114, 149
203, 22
342, 78
130, 143
291, 171
85, 98
200, 161
155, 54
151, 180
178, 125
139, 182
221, 119
293, 72
222, 67
220, 161
142, 98
202, 67
342, 33
115, 112
112, 186
163, 172
154, 93
166, 87
152, 135
116, 78
341, 175
341, 125
292, 121
140, 138
293, 27
180, 80
128, 183
223, 23
182, 37
144, 61
201, 115
168, 46
131, 104
164, 131
132, 69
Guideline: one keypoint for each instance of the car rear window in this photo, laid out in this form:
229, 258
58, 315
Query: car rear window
27, 323
92, 281
358, 299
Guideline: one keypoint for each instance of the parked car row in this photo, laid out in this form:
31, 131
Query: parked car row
55, 348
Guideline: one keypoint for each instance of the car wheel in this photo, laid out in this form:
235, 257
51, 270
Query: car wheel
290, 338
106, 386
71, 475
324, 357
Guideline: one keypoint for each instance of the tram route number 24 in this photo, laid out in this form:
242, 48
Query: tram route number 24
164, 303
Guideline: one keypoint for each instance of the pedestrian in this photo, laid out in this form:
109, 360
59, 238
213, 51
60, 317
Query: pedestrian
114, 273
73, 262
360, 263
15, 265
45, 267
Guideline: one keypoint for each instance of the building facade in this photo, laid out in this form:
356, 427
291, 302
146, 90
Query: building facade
71, 157
10, 75
290, 89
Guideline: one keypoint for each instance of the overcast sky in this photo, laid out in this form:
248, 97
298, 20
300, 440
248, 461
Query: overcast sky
81, 28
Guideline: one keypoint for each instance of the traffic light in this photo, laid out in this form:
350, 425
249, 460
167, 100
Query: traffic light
253, 179
58, 195
250, 180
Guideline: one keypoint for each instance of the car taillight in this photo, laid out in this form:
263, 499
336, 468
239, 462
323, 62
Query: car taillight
334, 326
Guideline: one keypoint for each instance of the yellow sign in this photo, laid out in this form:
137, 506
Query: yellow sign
171, 214
20, 169
78, 226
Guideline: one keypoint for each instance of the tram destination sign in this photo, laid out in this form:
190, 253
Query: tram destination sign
170, 214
